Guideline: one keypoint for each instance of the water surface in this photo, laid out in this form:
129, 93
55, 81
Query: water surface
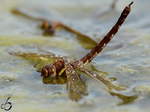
125, 58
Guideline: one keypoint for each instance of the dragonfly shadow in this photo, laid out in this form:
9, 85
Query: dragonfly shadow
49, 28
73, 93
55, 80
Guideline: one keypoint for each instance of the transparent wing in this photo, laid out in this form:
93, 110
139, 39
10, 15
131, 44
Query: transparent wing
125, 99
91, 67
76, 87
101, 78
37, 60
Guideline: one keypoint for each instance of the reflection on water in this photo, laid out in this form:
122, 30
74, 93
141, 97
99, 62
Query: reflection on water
58, 80
126, 58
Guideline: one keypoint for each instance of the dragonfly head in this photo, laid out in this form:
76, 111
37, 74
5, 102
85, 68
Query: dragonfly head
54, 69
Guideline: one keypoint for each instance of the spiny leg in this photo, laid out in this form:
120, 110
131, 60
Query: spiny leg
75, 85
103, 79
100, 46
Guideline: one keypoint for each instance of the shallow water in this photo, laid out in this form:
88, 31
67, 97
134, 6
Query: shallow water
125, 58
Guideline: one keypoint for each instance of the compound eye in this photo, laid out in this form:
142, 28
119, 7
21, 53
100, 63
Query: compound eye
44, 72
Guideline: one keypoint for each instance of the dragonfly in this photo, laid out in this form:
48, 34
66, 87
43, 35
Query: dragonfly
70, 70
